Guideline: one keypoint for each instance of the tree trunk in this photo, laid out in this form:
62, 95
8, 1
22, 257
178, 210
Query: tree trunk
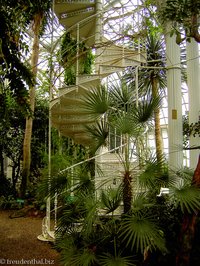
127, 180
127, 192
29, 120
158, 135
188, 228
1, 163
195, 28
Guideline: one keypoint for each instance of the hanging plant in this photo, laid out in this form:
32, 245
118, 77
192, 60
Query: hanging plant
69, 58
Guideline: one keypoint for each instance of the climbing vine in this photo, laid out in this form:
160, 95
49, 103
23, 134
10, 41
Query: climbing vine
69, 58
192, 129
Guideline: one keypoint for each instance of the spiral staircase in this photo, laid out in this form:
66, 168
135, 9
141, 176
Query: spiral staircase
83, 19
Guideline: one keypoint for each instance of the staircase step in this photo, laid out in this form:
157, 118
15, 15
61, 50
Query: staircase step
68, 110
70, 13
67, 89
73, 129
109, 69
89, 81
71, 120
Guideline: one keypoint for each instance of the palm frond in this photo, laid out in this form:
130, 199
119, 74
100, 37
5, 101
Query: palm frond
125, 124
154, 175
140, 201
69, 251
121, 96
90, 213
117, 260
187, 197
57, 183
111, 199
145, 110
99, 132
96, 101
141, 231
86, 257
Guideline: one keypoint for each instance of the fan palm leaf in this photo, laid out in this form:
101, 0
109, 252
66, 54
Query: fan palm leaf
121, 96
145, 110
140, 201
117, 260
124, 123
96, 101
85, 257
111, 199
99, 132
187, 197
141, 231
154, 175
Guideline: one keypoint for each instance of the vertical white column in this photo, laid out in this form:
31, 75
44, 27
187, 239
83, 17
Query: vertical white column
98, 32
175, 128
77, 53
193, 82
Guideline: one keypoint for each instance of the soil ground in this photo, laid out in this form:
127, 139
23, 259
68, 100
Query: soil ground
19, 244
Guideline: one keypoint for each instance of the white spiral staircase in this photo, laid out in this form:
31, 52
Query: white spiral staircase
82, 19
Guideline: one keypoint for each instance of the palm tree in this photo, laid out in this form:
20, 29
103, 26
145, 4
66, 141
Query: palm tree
152, 79
35, 14
116, 109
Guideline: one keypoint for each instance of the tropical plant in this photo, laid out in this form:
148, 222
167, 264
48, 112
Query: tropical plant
36, 15
68, 51
152, 77
117, 110
139, 234
11, 137
14, 70
150, 229
185, 14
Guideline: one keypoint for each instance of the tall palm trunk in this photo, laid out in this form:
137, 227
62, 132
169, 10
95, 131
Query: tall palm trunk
37, 21
158, 136
188, 228
127, 180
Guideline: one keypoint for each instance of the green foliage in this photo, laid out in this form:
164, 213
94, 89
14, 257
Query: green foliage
121, 96
12, 47
152, 225
53, 180
8, 203
187, 197
111, 199
96, 101
154, 175
118, 260
184, 13
69, 57
28, 12
99, 131
192, 129
140, 230
181, 10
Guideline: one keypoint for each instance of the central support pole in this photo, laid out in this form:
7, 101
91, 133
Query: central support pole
98, 33
193, 83
175, 127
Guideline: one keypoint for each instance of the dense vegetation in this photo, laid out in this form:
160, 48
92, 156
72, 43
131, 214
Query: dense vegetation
127, 223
